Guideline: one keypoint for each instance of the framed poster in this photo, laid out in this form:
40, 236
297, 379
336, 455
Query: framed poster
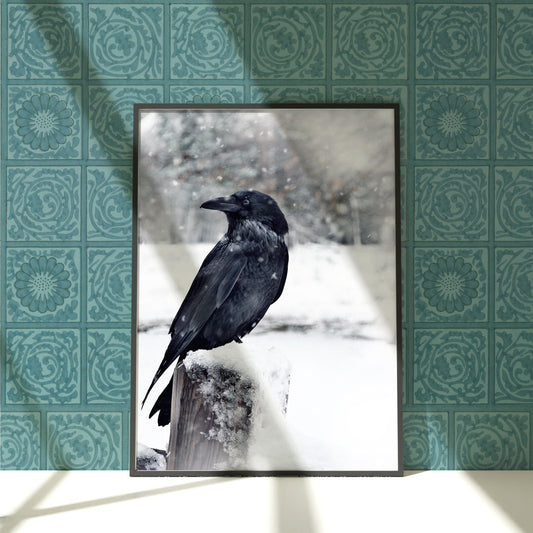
266, 299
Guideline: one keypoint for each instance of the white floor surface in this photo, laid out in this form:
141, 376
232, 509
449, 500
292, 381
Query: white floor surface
419, 502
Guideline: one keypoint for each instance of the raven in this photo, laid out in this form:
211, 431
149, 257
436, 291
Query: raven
238, 281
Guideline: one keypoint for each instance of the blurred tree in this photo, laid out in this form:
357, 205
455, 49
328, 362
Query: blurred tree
305, 159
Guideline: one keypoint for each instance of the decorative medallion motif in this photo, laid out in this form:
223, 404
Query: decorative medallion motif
452, 41
451, 203
44, 122
111, 119
79, 441
514, 203
425, 441
514, 128
20, 438
109, 297
44, 41
109, 209
514, 284
42, 284
109, 366
370, 42
492, 441
43, 366
43, 203
450, 284
126, 41
377, 95
514, 366
450, 367
452, 122
207, 42
515, 41
288, 42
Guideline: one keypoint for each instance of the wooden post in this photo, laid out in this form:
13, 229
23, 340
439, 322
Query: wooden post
201, 439
222, 399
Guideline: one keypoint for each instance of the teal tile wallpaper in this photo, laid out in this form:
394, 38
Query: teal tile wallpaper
463, 75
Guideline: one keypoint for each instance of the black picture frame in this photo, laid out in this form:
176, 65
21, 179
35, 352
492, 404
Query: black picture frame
233, 150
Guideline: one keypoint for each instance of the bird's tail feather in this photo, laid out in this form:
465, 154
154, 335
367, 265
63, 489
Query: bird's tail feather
163, 404
175, 350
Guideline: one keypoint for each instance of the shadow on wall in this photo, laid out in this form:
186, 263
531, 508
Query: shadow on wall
298, 498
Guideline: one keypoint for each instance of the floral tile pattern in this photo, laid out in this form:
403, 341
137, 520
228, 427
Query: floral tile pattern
43, 366
109, 284
452, 41
514, 284
451, 285
43, 203
207, 94
108, 355
111, 119
377, 95
80, 441
370, 42
425, 441
44, 284
462, 73
44, 122
126, 41
44, 41
288, 42
514, 51
288, 95
514, 203
451, 203
514, 122
109, 203
21, 442
452, 122
450, 367
514, 366
492, 441
206, 42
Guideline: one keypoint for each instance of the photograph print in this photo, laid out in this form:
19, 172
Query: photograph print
266, 297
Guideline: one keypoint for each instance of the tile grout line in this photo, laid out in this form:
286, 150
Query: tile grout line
328, 67
3, 203
409, 114
491, 191
411, 156
248, 80
3, 211
167, 47
85, 81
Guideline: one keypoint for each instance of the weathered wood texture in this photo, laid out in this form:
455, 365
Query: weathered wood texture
210, 419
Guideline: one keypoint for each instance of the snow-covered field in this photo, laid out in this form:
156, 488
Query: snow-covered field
332, 329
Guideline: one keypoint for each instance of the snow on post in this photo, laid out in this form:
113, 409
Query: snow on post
222, 401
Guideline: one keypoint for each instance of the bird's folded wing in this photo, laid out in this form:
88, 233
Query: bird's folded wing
214, 282
283, 277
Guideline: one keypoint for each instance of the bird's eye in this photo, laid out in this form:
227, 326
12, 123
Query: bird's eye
246, 202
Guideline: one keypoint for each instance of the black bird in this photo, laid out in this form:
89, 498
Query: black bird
238, 281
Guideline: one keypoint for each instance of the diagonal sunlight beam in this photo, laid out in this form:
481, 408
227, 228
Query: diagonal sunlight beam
13, 520
301, 495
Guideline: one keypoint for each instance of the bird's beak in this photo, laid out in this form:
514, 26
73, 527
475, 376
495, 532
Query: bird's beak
228, 204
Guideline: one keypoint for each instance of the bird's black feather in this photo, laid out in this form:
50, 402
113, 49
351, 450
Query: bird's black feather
237, 282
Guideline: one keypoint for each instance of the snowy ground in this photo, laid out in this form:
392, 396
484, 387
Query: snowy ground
333, 327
